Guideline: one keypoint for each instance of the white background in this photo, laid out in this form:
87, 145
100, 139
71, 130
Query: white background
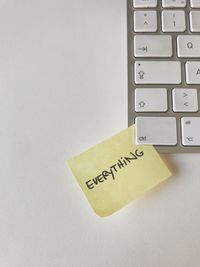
63, 85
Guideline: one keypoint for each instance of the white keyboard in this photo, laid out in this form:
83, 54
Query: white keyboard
164, 73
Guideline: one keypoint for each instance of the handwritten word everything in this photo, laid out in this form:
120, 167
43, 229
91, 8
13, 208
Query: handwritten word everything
121, 163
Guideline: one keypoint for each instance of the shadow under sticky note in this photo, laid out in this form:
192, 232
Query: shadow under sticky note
117, 171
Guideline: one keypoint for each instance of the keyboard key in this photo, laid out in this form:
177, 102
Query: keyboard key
156, 131
144, 3
152, 46
193, 72
173, 21
195, 21
145, 21
164, 58
151, 100
188, 45
190, 127
157, 72
195, 3
185, 100
173, 3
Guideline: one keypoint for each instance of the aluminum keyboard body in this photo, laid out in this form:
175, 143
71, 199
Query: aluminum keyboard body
163, 78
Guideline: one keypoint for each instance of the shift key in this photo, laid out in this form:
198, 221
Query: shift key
157, 72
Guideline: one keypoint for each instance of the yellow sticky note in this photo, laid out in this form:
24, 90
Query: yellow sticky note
117, 171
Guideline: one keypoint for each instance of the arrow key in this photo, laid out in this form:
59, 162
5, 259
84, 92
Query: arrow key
185, 100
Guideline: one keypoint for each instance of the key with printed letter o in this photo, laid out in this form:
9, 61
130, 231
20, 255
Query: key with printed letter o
157, 72
156, 131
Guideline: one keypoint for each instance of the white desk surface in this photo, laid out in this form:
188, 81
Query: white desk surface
63, 89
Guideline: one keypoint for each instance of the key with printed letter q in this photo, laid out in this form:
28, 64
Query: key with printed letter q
157, 72
188, 46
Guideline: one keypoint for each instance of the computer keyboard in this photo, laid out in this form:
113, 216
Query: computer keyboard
164, 73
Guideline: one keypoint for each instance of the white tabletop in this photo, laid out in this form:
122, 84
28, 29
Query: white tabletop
63, 84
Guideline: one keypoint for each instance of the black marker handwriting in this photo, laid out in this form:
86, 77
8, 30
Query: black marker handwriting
112, 170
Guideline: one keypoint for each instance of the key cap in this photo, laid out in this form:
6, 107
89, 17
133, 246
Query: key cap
173, 3
195, 21
190, 127
157, 72
193, 72
156, 131
195, 3
185, 100
173, 21
145, 21
144, 3
152, 46
188, 45
151, 100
